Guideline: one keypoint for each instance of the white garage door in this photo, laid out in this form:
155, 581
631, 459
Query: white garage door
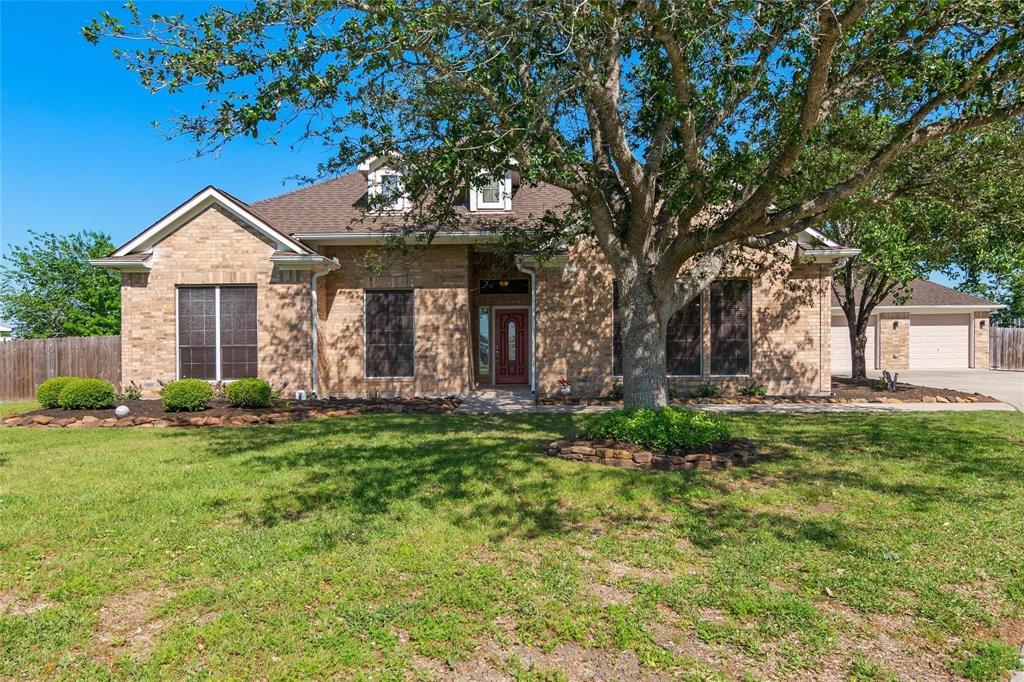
939, 341
842, 361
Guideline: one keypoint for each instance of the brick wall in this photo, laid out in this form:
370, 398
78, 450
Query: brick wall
981, 340
214, 248
440, 278
790, 326
894, 341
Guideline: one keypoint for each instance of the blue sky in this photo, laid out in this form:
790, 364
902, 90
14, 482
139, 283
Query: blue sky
77, 148
77, 145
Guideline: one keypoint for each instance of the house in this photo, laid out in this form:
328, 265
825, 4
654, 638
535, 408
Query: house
934, 328
280, 288
5, 333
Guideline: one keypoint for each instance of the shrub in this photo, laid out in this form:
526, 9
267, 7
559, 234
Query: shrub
48, 393
186, 395
662, 429
249, 393
130, 392
708, 390
754, 391
87, 394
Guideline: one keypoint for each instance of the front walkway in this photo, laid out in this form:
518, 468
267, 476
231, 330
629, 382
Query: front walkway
519, 401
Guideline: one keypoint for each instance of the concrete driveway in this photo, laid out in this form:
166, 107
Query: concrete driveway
1002, 385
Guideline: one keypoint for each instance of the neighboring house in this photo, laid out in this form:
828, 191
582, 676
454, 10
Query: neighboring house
5, 333
221, 289
935, 328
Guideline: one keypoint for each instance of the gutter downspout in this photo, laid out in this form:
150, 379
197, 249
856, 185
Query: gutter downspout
533, 325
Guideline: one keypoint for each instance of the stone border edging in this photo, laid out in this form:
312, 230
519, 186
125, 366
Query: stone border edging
194, 419
735, 452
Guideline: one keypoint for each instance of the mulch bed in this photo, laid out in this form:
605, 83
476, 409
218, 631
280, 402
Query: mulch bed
150, 413
719, 455
843, 391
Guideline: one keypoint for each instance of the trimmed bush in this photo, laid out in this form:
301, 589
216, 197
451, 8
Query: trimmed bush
186, 395
660, 429
87, 394
248, 393
48, 393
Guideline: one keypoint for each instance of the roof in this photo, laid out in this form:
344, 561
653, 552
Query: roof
4, 329
927, 293
337, 205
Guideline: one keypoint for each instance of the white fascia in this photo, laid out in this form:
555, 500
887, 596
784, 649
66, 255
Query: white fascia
317, 263
929, 309
196, 205
369, 238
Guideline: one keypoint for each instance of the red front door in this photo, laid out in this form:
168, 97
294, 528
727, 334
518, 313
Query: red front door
512, 349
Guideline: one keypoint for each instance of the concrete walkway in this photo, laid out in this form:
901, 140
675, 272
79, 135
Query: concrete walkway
492, 401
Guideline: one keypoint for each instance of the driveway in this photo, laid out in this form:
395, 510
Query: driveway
1003, 385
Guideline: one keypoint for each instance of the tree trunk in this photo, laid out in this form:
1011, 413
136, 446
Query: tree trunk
644, 366
858, 346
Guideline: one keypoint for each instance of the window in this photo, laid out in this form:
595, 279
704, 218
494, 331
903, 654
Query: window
390, 333
511, 341
484, 356
217, 333
730, 326
493, 194
490, 194
504, 286
682, 339
391, 191
385, 191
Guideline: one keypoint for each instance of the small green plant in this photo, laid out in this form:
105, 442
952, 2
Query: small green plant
985, 659
867, 670
754, 390
708, 390
662, 429
48, 393
248, 393
186, 395
87, 394
132, 391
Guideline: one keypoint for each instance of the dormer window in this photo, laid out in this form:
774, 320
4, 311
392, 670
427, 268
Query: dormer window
492, 195
384, 186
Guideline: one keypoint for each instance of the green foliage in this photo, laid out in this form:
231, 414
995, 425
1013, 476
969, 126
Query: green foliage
48, 393
754, 390
248, 393
130, 391
665, 428
86, 394
708, 390
186, 395
48, 288
986, 660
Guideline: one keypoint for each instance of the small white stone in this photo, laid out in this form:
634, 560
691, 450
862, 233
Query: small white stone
122, 411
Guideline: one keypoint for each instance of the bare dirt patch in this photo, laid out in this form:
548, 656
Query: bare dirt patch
126, 625
12, 605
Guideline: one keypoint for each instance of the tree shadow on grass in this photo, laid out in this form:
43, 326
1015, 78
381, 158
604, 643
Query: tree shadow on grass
485, 472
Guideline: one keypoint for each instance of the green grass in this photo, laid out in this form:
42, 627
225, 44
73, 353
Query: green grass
405, 547
17, 406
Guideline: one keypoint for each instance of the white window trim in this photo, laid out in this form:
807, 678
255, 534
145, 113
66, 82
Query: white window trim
375, 185
415, 338
504, 203
216, 316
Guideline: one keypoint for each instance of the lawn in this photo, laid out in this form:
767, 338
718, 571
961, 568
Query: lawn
404, 547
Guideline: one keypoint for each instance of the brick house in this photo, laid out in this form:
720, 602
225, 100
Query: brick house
281, 289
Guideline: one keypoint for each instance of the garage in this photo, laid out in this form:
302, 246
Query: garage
940, 341
842, 360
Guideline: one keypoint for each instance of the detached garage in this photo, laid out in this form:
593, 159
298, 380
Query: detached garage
936, 328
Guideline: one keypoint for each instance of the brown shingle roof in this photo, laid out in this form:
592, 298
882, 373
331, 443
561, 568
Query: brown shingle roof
925, 292
334, 206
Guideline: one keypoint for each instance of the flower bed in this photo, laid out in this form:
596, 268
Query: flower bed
151, 414
719, 455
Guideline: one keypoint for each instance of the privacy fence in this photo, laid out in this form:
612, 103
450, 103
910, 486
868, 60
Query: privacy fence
1006, 347
26, 363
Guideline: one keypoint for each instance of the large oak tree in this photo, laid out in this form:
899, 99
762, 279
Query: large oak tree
676, 126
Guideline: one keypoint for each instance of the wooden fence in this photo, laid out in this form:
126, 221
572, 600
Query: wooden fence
26, 363
1006, 347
